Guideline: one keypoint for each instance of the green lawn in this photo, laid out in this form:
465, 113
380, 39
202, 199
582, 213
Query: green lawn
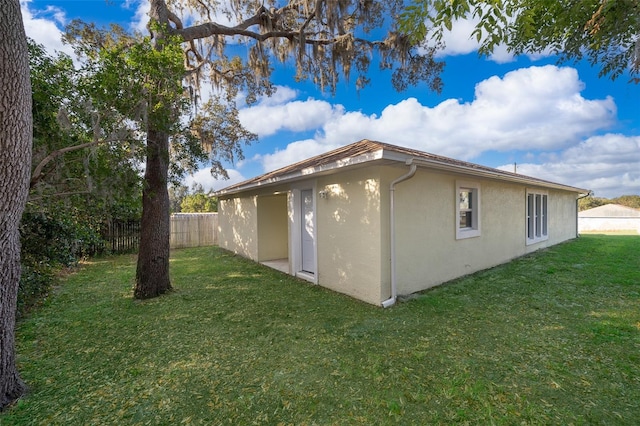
551, 338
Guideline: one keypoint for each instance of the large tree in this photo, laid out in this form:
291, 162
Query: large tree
15, 158
233, 46
606, 32
85, 161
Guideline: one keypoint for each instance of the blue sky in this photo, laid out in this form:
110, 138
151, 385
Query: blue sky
557, 122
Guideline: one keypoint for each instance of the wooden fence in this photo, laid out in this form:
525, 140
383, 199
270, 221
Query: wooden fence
187, 230
194, 229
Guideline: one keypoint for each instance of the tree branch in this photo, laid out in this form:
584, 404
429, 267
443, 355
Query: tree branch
59, 194
210, 28
37, 174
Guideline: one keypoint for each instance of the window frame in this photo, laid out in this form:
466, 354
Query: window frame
536, 216
474, 229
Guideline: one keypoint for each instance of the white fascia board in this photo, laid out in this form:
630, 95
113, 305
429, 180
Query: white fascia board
307, 172
494, 175
407, 159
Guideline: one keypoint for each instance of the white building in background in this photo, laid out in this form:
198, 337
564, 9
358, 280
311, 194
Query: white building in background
609, 218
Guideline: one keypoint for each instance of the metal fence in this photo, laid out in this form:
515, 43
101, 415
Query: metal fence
121, 236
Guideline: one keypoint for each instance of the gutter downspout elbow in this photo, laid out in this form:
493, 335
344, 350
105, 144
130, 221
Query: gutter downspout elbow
392, 231
578, 212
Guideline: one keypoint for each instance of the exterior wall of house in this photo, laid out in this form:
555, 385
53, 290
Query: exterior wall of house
349, 234
353, 229
238, 225
428, 252
273, 240
563, 218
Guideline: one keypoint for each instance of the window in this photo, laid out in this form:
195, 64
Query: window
467, 210
537, 229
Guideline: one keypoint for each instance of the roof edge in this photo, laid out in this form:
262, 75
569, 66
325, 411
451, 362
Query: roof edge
366, 151
497, 174
307, 171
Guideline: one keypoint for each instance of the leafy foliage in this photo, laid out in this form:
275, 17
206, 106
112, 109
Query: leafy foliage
36, 281
217, 126
177, 192
590, 202
80, 161
632, 201
606, 32
141, 82
199, 203
55, 238
84, 173
321, 40
50, 241
191, 200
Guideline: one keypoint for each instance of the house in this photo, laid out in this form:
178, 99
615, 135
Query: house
609, 218
375, 221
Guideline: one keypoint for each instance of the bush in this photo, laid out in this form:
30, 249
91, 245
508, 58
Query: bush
49, 242
56, 239
35, 283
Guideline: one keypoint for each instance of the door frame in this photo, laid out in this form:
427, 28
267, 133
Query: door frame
295, 225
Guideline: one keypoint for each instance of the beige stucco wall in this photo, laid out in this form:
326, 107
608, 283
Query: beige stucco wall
238, 225
273, 234
563, 217
350, 254
428, 253
352, 228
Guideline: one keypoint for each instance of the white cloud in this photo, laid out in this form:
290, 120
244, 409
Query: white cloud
294, 152
538, 112
537, 108
609, 165
141, 16
208, 182
459, 41
188, 15
283, 94
42, 26
268, 118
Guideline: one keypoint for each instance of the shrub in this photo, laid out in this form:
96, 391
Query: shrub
49, 242
56, 239
35, 283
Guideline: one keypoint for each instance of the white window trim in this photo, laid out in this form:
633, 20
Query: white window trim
474, 230
543, 213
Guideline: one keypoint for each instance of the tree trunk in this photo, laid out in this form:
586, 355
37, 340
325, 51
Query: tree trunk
16, 129
152, 275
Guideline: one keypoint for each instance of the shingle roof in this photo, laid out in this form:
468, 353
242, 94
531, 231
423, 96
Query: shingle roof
367, 150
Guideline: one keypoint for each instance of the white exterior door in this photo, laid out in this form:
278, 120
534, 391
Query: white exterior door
307, 246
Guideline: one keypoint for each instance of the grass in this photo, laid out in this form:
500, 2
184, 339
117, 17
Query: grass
551, 338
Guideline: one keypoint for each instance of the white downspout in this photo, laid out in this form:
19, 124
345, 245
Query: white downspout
578, 211
392, 231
